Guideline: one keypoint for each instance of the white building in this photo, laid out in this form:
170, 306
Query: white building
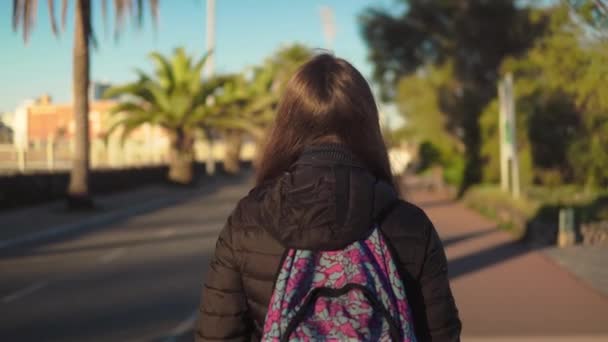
20, 125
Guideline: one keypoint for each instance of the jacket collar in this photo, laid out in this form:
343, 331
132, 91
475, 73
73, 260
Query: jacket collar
327, 155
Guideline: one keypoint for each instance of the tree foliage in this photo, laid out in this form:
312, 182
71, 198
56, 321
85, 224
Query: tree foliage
593, 14
562, 106
174, 98
470, 36
251, 97
25, 12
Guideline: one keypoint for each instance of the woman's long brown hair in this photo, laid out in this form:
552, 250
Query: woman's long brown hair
326, 100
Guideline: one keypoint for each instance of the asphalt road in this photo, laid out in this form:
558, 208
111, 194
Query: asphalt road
135, 280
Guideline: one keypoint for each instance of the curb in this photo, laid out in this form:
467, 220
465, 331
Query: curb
94, 221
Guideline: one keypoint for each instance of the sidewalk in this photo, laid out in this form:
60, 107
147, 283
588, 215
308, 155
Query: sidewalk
52, 219
505, 289
589, 263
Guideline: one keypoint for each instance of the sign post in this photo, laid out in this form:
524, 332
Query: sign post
509, 165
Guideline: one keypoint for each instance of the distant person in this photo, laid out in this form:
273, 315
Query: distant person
322, 248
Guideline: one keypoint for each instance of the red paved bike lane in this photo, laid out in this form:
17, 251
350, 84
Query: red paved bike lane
505, 289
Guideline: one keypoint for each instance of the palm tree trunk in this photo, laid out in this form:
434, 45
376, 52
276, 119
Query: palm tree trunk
182, 157
233, 141
259, 140
78, 190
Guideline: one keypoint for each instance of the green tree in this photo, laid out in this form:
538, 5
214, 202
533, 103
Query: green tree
419, 97
174, 98
24, 15
471, 36
562, 105
593, 14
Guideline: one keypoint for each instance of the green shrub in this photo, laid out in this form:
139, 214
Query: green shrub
429, 156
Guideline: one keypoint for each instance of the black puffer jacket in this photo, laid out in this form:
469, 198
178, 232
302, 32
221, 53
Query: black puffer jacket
325, 202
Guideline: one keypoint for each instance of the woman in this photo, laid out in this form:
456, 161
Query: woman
322, 176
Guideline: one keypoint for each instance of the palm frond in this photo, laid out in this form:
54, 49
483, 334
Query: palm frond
33, 13
133, 115
180, 64
24, 15
164, 70
128, 108
64, 13
174, 96
104, 16
154, 11
195, 80
52, 17
16, 14
143, 76
132, 10
26, 20
140, 12
160, 97
119, 16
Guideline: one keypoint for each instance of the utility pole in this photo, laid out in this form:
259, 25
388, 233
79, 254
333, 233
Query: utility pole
210, 39
329, 26
509, 165
209, 70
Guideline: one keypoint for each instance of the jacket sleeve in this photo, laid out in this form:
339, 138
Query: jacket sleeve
441, 312
223, 311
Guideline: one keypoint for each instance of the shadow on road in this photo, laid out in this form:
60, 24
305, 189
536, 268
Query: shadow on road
115, 244
434, 203
468, 236
486, 258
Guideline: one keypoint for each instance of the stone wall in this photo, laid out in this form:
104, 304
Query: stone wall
19, 190
595, 233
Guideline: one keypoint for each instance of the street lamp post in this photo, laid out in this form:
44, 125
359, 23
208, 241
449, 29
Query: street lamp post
208, 74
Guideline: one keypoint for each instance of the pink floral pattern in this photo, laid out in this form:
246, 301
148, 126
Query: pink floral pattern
344, 318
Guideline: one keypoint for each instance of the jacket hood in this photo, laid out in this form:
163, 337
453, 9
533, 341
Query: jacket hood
326, 201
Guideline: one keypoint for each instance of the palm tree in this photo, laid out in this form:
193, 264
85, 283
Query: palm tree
243, 106
24, 13
248, 101
174, 98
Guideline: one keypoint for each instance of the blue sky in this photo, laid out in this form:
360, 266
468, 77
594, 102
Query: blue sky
247, 32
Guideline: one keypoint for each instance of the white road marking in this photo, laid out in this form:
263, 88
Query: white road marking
183, 327
165, 233
24, 292
113, 255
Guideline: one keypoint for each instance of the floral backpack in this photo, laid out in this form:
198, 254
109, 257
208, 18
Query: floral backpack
352, 294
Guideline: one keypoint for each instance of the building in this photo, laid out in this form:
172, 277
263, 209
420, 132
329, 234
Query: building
6, 119
6, 128
97, 89
40, 122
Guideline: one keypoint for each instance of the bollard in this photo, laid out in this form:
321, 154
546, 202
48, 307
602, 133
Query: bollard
566, 235
21, 161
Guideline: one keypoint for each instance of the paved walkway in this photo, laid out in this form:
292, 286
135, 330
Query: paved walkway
504, 289
589, 263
